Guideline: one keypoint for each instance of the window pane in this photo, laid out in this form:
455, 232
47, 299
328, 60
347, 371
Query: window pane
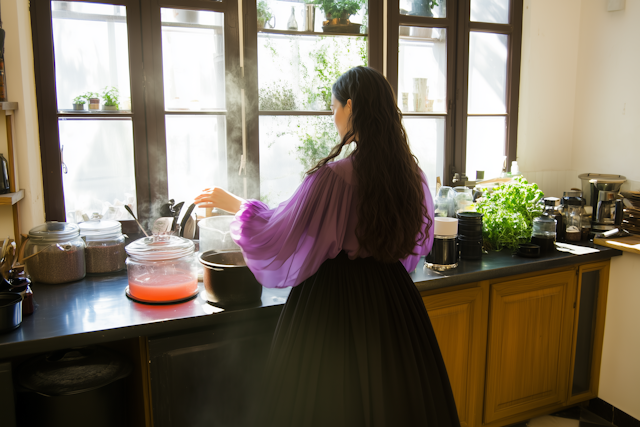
494, 11
278, 15
422, 69
486, 138
193, 59
430, 8
487, 73
98, 170
426, 137
297, 73
91, 51
196, 155
289, 146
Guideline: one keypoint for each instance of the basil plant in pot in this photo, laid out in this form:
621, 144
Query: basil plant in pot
265, 15
110, 96
337, 13
78, 102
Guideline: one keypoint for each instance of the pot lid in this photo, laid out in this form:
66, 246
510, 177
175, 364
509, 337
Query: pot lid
99, 228
53, 230
603, 178
73, 371
159, 248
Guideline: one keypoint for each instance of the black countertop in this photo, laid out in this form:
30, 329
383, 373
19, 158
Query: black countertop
96, 309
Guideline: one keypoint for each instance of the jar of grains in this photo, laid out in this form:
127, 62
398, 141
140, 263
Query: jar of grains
161, 269
60, 253
105, 246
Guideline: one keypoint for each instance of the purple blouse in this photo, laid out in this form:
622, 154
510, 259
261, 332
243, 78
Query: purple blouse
286, 245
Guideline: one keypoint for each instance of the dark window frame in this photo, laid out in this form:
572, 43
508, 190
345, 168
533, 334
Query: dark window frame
458, 27
147, 98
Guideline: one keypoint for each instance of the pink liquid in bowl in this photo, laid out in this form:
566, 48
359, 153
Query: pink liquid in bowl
161, 288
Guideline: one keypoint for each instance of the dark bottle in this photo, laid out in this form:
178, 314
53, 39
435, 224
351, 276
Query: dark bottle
4, 180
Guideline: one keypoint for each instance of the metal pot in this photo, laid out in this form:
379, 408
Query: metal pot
10, 311
227, 279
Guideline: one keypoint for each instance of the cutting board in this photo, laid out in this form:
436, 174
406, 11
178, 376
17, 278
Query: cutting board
627, 244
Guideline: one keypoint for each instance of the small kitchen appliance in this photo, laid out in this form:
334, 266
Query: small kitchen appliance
608, 212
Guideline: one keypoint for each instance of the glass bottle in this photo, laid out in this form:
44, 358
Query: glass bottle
553, 209
544, 233
292, 24
573, 219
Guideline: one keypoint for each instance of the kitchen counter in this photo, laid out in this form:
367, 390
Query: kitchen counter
96, 309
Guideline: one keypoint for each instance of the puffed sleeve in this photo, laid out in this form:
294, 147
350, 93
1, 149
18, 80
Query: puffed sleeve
286, 245
423, 249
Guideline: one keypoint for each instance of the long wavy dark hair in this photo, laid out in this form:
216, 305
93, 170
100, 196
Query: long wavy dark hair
391, 204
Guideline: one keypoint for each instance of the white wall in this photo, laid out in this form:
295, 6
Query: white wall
580, 112
607, 140
21, 89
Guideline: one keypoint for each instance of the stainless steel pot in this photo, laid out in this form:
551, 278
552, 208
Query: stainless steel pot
10, 311
227, 279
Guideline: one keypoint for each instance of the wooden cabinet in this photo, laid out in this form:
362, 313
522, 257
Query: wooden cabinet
208, 377
524, 346
459, 321
529, 344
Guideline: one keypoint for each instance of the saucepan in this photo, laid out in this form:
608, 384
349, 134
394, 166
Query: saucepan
227, 279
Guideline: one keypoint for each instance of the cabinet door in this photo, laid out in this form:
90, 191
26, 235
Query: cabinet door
208, 377
529, 344
457, 319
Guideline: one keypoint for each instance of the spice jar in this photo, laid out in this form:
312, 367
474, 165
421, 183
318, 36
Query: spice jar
60, 253
544, 233
105, 246
161, 269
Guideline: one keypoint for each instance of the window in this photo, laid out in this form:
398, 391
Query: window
456, 75
291, 66
204, 99
173, 125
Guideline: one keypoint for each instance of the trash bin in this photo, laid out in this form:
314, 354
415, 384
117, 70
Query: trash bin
73, 387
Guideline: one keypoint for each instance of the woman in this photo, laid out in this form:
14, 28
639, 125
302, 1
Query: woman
354, 345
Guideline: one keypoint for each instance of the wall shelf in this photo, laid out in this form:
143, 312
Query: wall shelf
8, 106
11, 198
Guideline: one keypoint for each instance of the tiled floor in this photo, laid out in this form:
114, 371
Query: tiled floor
572, 417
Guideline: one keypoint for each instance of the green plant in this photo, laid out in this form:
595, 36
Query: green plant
110, 96
277, 97
90, 95
264, 12
508, 214
339, 8
80, 99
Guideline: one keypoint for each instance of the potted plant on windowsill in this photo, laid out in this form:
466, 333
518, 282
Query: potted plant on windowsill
110, 96
337, 13
93, 99
78, 102
265, 15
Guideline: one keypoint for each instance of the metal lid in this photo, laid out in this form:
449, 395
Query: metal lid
56, 231
573, 201
73, 371
160, 248
100, 230
603, 178
551, 201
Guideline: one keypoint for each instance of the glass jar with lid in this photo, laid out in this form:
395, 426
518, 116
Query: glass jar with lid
573, 219
544, 233
552, 208
57, 253
104, 252
161, 269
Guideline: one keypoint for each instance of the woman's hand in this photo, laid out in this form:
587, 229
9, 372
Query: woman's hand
216, 197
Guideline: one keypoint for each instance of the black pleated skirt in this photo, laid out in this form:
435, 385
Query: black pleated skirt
354, 346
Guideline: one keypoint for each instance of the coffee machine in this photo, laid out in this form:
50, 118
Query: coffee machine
600, 193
